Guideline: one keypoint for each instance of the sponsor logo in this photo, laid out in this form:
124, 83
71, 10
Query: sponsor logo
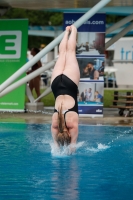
80, 110
10, 44
99, 111
87, 22
126, 54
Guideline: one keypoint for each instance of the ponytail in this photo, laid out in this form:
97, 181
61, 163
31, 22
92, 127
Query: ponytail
61, 124
62, 137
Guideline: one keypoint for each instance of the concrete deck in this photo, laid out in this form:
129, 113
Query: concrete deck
111, 117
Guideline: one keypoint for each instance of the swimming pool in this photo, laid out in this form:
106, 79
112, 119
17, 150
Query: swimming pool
100, 169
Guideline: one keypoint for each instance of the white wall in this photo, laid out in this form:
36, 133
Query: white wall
123, 60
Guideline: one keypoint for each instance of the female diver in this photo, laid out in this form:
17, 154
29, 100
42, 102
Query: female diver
64, 84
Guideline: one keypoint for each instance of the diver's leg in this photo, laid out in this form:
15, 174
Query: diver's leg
60, 63
71, 69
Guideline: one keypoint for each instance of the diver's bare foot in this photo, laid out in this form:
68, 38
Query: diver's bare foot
73, 28
68, 28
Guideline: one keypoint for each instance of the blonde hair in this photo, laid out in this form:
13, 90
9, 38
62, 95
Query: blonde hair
62, 137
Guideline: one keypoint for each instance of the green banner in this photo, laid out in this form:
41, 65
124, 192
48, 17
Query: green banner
13, 53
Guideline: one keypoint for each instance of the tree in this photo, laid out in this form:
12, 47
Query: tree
113, 18
35, 17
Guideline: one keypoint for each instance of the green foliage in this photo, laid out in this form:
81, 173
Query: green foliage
56, 19
113, 18
35, 17
35, 41
44, 18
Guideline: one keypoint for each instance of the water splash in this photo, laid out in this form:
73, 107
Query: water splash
79, 148
92, 149
65, 150
100, 147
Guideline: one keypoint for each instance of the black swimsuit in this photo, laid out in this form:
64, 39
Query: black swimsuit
62, 85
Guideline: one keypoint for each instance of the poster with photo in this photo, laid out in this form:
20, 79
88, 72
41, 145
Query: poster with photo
90, 98
91, 68
90, 53
90, 43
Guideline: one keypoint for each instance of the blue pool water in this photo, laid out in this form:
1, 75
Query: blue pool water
101, 168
